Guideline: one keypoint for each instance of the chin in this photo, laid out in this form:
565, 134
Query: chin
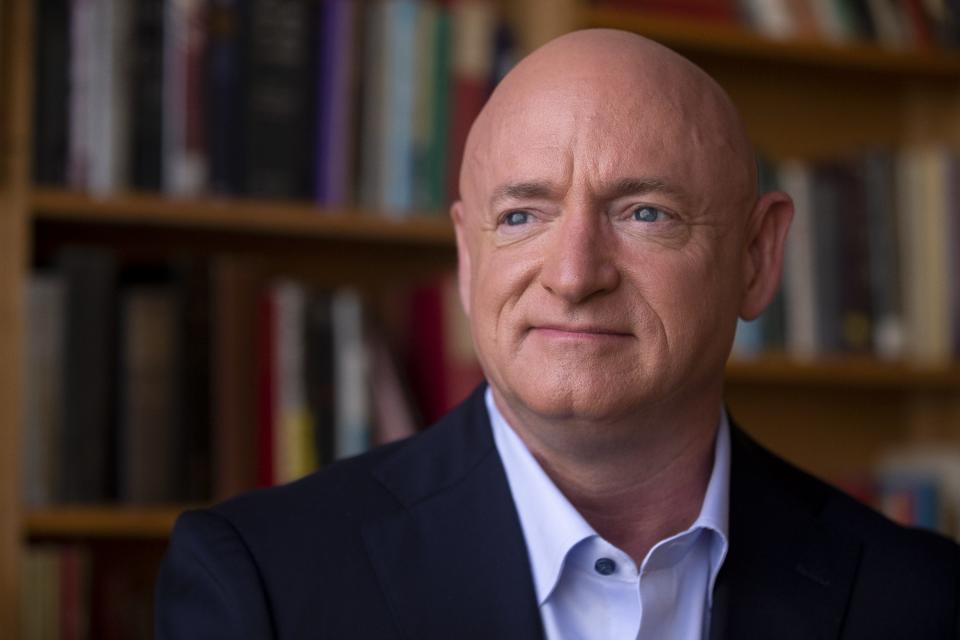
582, 398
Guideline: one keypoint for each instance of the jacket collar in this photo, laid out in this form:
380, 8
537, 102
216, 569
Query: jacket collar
453, 562
787, 575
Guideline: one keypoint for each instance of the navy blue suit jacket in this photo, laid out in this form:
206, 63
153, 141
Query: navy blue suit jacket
421, 540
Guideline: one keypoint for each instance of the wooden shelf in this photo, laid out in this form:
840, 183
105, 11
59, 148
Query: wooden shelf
844, 372
235, 215
101, 522
739, 41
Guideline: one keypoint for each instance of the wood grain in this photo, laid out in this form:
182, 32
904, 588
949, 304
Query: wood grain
16, 88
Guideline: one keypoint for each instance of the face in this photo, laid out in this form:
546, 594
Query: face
601, 250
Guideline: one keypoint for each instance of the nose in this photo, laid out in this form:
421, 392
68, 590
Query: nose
579, 259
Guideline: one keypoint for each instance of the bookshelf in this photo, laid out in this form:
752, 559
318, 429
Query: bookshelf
829, 414
242, 216
15, 82
100, 523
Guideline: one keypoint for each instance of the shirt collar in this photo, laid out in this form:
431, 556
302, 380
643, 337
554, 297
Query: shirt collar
552, 526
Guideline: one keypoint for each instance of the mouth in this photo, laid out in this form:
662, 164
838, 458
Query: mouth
578, 332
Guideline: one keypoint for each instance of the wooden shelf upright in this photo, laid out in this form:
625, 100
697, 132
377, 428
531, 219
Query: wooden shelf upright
15, 89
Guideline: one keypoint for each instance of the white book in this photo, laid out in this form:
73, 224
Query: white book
799, 274
771, 18
108, 116
83, 71
922, 223
352, 415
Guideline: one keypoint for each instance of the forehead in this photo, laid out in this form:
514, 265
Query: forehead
600, 133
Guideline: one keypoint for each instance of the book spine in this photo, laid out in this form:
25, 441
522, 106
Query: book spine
235, 382
223, 98
146, 133
46, 323
149, 430
52, 94
351, 362
266, 390
184, 153
474, 24
89, 375
396, 161
279, 56
336, 102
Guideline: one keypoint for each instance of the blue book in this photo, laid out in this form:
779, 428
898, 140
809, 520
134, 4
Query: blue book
396, 168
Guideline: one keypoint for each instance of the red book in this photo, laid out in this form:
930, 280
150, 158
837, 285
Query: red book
74, 593
235, 378
919, 22
443, 365
474, 25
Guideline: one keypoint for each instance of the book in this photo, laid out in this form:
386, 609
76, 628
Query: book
223, 96
922, 188
372, 104
320, 373
724, 11
266, 389
52, 92
443, 364
400, 78
148, 455
336, 103
352, 427
184, 152
40, 607
146, 95
799, 277
472, 34
879, 182
89, 370
294, 445
81, 143
43, 390
235, 388
279, 57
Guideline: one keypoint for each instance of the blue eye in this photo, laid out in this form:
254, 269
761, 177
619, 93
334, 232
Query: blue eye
515, 218
648, 214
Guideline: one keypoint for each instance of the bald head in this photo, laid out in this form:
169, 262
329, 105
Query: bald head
610, 88
609, 234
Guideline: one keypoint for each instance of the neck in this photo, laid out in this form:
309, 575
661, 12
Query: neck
635, 480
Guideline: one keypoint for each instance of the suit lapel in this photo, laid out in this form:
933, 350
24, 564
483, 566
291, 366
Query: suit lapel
787, 575
452, 562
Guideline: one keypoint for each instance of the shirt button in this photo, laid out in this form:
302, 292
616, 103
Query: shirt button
605, 566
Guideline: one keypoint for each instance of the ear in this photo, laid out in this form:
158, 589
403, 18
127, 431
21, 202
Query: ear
463, 255
763, 258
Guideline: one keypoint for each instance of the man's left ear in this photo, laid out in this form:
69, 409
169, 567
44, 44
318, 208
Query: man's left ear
763, 258
463, 255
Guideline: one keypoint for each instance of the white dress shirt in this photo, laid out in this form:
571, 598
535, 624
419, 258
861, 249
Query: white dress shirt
589, 589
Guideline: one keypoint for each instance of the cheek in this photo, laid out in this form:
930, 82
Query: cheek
499, 281
688, 294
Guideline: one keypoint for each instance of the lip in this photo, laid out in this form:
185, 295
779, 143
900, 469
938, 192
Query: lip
579, 332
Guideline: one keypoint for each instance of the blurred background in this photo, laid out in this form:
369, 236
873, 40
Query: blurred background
227, 261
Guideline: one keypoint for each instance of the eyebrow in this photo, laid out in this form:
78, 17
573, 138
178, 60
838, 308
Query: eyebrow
619, 189
522, 191
640, 186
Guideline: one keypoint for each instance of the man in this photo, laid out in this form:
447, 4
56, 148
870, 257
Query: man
609, 235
